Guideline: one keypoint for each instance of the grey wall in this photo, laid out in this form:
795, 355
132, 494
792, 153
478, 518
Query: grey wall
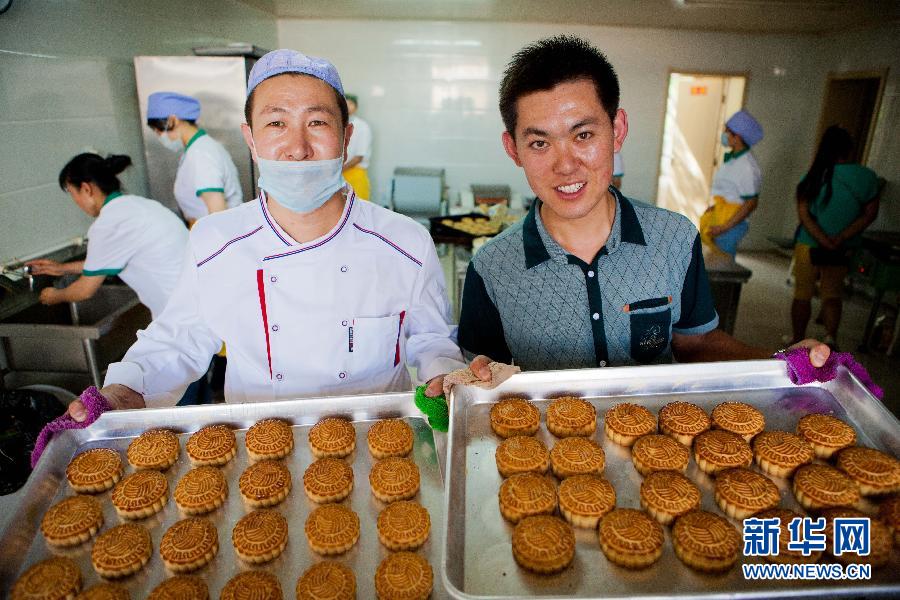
67, 85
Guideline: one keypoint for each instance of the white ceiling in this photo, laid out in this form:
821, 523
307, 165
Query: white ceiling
755, 16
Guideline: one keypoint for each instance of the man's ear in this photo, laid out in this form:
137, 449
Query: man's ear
171, 122
620, 129
248, 139
509, 144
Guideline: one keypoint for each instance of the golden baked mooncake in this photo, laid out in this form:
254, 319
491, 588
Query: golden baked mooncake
873, 471
140, 494
213, 445
625, 423
265, 483
569, 416
717, 450
683, 421
328, 480
543, 544
390, 437
779, 453
104, 591
403, 525
72, 521
403, 576
820, 486
525, 495
742, 493
332, 437
657, 452
252, 585
667, 495
784, 537
631, 538
706, 541
584, 499
181, 587
394, 479
889, 513
327, 580
521, 454
121, 551
332, 529
880, 539
577, 456
826, 434
739, 418
260, 536
201, 490
269, 439
189, 544
94, 471
56, 578
154, 449
515, 416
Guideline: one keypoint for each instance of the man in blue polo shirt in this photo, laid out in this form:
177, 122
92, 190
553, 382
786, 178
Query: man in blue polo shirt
589, 278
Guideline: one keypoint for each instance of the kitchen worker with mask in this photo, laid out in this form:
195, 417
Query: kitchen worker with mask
735, 186
207, 180
314, 292
359, 151
589, 278
135, 238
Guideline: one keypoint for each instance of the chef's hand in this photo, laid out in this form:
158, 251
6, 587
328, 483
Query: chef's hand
50, 296
45, 266
118, 397
818, 352
479, 366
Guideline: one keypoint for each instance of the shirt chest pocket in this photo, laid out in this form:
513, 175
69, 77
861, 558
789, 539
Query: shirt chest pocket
651, 324
374, 344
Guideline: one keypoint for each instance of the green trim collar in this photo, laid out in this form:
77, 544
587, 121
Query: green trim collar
200, 133
111, 197
734, 155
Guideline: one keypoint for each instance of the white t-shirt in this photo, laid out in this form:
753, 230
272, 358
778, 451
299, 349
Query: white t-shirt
360, 142
738, 179
142, 242
618, 165
205, 166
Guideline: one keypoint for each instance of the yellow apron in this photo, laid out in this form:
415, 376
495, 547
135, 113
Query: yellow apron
722, 210
358, 178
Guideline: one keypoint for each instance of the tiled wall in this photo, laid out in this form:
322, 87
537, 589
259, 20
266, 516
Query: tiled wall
67, 85
429, 91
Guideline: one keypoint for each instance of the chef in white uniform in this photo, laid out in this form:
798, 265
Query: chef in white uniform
313, 291
207, 180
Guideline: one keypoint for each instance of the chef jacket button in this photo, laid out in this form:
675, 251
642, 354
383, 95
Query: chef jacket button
279, 376
344, 268
273, 279
342, 375
343, 323
275, 327
595, 316
590, 273
602, 363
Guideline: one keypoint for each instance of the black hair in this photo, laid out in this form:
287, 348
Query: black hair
836, 145
93, 168
162, 124
549, 62
341, 102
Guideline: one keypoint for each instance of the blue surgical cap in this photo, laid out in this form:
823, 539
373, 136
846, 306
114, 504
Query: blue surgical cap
743, 124
162, 104
277, 62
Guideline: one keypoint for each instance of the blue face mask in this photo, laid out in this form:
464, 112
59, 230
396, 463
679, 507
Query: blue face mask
725, 140
175, 145
301, 185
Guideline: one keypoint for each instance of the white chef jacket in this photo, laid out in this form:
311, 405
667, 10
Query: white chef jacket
142, 242
205, 166
342, 314
360, 142
738, 179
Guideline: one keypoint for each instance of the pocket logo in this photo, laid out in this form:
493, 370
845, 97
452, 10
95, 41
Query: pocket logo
652, 338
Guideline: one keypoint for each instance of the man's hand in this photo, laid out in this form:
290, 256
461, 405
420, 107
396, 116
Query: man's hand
118, 396
45, 266
479, 366
818, 352
50, 296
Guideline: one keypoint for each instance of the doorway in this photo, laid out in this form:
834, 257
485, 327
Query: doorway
851, 101
697, 106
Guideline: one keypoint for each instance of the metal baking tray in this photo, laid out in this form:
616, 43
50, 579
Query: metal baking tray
22, 544
477, 559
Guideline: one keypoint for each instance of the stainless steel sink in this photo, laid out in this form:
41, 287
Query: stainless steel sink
51, 344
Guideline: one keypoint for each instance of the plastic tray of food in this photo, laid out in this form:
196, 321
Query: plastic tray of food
468, 226
477, 560
23, 545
